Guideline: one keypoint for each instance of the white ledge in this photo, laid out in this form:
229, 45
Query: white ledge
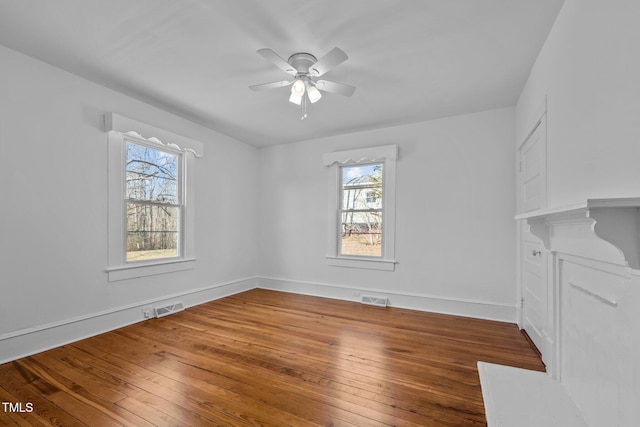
583, 206
366, 263
576, 228
524, 398
142, 269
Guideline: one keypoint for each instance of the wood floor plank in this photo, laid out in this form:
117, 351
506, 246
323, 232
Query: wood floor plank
377, 359
31, 390
82, 394
265, 358
235, 375
77, 371
175, 399
278, 395
26, 418
334, 387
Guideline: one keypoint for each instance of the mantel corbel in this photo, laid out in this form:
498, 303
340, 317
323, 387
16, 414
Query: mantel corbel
602, 229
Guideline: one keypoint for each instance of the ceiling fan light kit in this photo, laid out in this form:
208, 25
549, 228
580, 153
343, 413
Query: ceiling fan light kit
313, 93
297, 91
304, 68
295, 99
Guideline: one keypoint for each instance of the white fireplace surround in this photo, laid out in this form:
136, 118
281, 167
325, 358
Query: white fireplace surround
594, 291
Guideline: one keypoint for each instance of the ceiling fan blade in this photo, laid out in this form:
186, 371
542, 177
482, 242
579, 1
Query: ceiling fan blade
273, 85
334, 57
337, 88
276, 60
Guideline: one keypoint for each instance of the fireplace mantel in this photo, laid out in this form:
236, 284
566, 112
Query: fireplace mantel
590, 307
580, 228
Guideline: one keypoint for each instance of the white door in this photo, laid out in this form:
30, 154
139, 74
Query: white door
533, 258
534, 291
533, 168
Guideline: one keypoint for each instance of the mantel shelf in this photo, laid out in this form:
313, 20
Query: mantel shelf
580, 207
576, 228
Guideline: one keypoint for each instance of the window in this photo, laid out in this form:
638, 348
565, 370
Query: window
362, 208
153, 202
151, 199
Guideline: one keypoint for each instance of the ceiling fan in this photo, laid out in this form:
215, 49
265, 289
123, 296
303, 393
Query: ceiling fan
304, 70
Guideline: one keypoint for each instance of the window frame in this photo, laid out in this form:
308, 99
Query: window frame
387, 155
119, 131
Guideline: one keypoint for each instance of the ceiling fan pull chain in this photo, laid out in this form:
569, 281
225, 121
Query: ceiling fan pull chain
304, 108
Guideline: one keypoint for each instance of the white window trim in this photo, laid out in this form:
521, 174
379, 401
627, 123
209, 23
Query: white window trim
388, 155
120, 129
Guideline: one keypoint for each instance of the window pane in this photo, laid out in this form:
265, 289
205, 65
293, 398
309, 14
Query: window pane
362, 187
361, 234
151, 174
152, 231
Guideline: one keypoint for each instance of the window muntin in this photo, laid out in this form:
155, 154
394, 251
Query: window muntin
153, 199
361, 210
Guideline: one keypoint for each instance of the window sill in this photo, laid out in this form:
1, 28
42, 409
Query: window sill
365, 263
133, 271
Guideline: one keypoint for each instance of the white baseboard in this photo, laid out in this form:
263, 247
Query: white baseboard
34, 340
30, 341
458, 307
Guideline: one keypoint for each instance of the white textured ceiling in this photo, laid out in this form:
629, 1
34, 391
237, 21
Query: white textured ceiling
411, 60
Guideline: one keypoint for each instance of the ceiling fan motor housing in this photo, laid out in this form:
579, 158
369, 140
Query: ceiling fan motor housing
302, 62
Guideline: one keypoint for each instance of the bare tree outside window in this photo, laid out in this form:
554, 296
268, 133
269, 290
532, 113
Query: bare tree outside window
361, 210
153, 203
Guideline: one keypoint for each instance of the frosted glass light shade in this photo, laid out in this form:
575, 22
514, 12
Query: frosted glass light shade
297, 87
295, 98
314, 94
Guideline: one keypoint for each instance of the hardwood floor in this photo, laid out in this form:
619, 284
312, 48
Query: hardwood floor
268, 358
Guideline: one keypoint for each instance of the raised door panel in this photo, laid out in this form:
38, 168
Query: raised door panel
533, 171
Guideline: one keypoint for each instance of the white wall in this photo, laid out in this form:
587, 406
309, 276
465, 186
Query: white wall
455, 192
588, 69
53, 219
455, 232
